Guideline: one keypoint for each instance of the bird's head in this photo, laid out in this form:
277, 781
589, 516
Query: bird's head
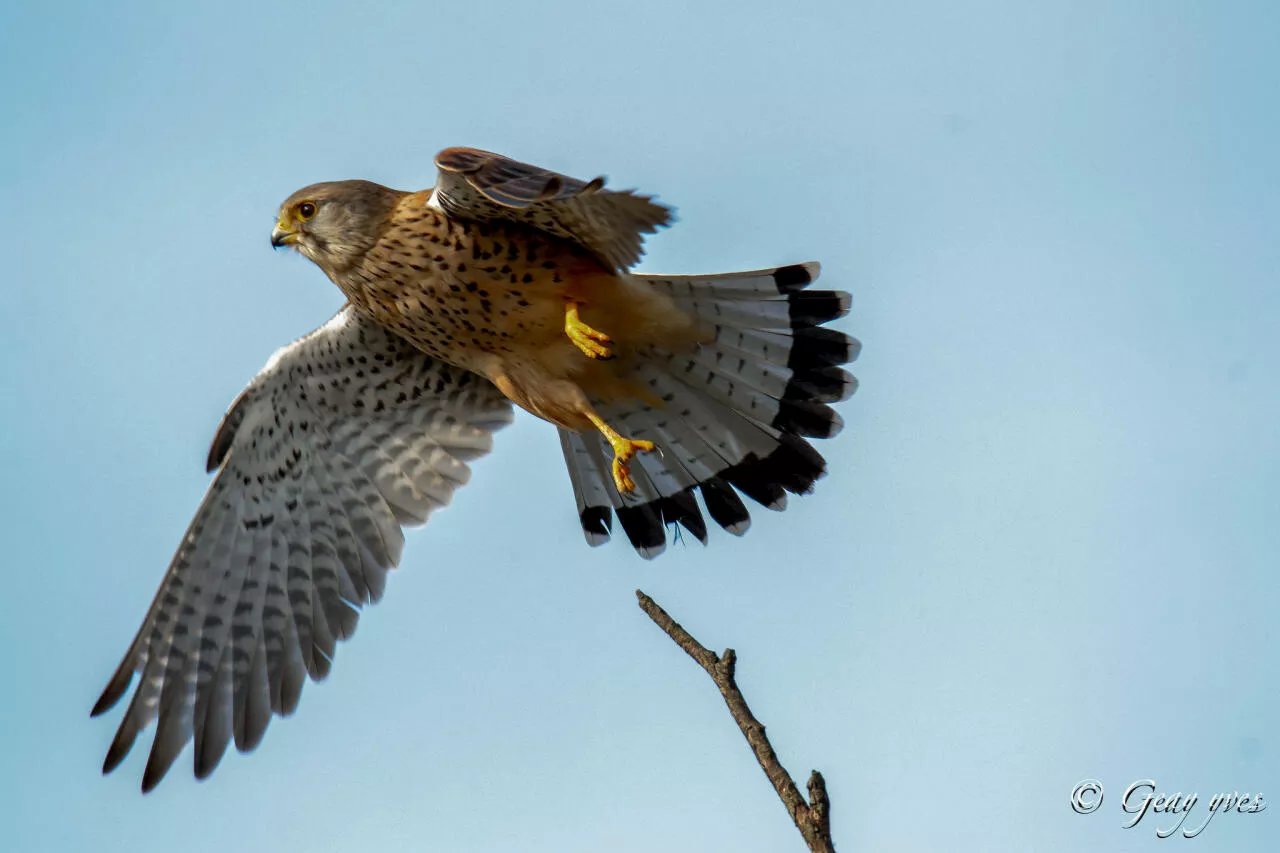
334, 223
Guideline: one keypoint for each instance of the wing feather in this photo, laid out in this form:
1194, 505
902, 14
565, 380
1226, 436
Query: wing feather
480, 185
297, 531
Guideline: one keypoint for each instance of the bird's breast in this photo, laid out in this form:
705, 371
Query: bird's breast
463, 291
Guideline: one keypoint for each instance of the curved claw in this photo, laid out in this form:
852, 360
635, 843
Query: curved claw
622, 453
623, 450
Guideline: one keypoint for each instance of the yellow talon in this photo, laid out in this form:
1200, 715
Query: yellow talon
623, 450
621, 471
592, 343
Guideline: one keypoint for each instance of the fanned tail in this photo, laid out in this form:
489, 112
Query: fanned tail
736, 412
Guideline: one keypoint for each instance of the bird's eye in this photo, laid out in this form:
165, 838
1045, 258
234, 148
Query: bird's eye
307, 209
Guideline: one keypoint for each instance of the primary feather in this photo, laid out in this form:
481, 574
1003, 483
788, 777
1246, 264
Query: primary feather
346, 435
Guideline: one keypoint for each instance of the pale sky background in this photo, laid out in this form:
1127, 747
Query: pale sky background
1047, 547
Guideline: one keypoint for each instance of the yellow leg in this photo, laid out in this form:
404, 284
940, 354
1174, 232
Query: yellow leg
592, 343
623, 450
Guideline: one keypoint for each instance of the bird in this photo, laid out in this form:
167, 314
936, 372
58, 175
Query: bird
503, 283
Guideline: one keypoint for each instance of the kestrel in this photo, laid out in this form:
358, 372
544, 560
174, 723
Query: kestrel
504, 283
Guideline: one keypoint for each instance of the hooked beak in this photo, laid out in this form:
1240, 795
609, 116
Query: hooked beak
282, 236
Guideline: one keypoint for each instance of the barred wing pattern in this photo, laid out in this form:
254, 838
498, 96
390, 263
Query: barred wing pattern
345, 436
479, 185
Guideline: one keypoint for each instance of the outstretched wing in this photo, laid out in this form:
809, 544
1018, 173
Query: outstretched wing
478, 185
345, 436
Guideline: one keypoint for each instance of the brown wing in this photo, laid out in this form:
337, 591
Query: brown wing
478, 185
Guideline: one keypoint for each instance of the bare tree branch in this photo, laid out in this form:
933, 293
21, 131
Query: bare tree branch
813, 819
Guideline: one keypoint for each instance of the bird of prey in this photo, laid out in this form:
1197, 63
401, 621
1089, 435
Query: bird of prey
504, 283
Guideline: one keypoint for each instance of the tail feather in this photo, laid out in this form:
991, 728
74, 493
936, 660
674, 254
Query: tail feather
789, 408
724, 506
823, 383
682, 508
798, 311
775, 283
595, 500
684, 455
641, 518
802, 349
735, 414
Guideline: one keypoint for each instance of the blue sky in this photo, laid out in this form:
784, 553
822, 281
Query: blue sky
1047, 547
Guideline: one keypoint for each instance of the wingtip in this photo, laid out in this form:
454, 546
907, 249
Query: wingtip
462, 159
204, 765
111, 694
667, 217
101, 706
116, 754
158, 764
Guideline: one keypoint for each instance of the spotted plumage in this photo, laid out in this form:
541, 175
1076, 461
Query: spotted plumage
345, 436
505, 283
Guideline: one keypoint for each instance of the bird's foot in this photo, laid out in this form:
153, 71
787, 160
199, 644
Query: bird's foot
623, 450
593, 344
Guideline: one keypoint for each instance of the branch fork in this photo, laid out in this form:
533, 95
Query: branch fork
812, 818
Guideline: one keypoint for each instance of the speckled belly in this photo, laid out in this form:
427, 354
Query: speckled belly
465, 292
